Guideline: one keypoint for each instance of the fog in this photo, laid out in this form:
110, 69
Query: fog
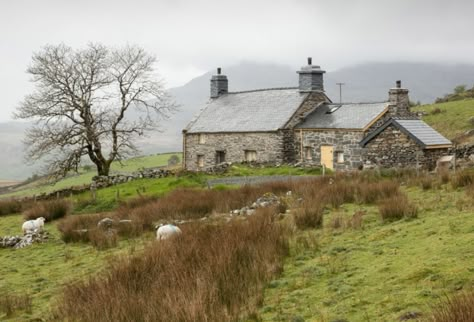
192, 37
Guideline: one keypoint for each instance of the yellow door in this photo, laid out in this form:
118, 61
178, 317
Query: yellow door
327, 156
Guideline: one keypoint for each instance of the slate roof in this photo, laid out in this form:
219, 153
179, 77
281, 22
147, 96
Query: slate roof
345, 116
422, 133
249, 111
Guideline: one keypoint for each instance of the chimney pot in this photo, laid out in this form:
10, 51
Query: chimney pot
310, 61
399, 84
218, 70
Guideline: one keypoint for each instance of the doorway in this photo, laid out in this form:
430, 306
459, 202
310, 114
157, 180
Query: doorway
327, 156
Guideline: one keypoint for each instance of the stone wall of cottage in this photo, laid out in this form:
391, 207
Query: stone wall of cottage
268, 145
343, 141
310, 103
393, 148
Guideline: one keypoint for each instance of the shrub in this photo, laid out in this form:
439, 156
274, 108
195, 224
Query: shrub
426, 183
173, 160
396, 208
341, 191
310, 216
356, 220
462, 178
50, 210
373, 192
76, 228
209, 273
457, 308
337, 221
10, 206
10, 303
436, 110
470, 192
444, 176
103, 239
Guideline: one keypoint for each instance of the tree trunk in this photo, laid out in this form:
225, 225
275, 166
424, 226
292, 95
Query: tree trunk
103, 169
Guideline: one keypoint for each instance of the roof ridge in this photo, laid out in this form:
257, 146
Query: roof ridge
262, 90
356, 103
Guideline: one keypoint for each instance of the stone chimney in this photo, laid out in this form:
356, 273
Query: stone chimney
399, 101
311, 78
219, 84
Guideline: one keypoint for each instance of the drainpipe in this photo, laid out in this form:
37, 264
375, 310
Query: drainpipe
301, 145
184, 150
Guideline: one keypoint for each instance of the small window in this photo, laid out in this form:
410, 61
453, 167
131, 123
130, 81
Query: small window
250, 155
200, 161
340, 157
308, 153
202, 138
220, 157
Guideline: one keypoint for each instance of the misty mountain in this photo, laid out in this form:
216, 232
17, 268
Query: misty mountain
363, 83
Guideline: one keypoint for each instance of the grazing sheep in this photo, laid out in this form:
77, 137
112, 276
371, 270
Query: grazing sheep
167, 231
33, 225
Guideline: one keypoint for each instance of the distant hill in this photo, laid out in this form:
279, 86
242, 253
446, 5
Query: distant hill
366, 82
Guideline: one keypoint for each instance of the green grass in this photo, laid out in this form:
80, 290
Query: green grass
106, 199
376, 273
380, 272
453, 120
84, 177
41, 270
284, 170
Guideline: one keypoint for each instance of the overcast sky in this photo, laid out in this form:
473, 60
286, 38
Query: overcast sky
190, 37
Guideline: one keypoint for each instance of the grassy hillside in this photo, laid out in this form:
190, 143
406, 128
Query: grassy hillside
41, 270
378, 272
85, 176
452, 119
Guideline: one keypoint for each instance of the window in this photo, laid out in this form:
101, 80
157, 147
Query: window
250, 155
220, 157
340, 157
308, 153
200, 161
202, 138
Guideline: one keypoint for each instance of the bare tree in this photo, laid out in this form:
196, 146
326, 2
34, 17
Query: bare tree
81, 102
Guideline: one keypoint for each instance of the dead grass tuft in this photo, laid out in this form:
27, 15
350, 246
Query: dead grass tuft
457, 308
397, 207
209, 273
10, 206
11, 303
49, 209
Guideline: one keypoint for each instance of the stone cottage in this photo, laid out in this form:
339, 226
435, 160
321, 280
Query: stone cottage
302, 124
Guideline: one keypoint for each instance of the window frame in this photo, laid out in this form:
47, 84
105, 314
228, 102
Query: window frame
340, 155
308, 153
201, 138
248, 153
200, 161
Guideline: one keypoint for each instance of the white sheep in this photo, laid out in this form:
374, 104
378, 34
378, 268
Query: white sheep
33, 225
167, 231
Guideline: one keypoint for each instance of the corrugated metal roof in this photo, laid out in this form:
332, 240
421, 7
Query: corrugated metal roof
423, 132
250, 111
419, 131
345, 116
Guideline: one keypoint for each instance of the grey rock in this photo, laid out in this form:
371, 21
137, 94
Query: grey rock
105, 223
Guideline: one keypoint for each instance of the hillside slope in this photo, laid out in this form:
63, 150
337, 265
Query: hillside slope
452, 119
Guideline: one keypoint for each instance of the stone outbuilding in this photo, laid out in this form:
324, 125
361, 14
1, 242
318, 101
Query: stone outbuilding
302, 124
399, 142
